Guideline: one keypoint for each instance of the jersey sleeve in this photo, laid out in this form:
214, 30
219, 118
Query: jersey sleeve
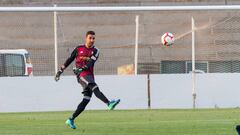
93, 58
71, 58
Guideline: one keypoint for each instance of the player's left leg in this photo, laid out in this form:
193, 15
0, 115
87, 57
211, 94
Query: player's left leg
95, 89
81, 107
87, 94
98, 93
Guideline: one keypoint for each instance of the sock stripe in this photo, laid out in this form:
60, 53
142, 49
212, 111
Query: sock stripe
87, 97
94, 88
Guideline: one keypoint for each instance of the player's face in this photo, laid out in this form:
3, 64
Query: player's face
90, 40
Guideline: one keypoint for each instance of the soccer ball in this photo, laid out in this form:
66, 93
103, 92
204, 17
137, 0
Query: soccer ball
167, 39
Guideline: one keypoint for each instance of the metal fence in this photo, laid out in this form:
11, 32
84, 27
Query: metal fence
217, 39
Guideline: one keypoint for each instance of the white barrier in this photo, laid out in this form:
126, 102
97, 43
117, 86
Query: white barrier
24, 94
27, 94
213, 90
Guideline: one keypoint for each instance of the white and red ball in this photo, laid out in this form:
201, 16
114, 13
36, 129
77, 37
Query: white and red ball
167, 39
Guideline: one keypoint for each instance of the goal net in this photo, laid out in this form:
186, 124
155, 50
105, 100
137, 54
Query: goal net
217, 40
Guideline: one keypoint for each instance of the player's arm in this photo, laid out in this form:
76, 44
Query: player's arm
66, 64
92, 59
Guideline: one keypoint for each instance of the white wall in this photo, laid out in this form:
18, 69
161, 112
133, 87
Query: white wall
23, 94
171, 91
213, 90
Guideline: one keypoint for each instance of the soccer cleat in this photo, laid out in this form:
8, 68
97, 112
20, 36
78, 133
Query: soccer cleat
70, 123
112, 104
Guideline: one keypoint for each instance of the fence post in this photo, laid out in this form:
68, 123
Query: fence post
149, 91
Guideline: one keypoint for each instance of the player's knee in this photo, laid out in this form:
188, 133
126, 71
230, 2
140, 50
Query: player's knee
87, 93
93, 87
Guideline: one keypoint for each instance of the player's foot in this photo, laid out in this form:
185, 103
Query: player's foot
112, 104
70, 123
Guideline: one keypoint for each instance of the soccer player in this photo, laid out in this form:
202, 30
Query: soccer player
85, 56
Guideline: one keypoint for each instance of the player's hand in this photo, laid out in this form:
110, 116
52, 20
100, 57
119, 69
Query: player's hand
77, 71
58, 74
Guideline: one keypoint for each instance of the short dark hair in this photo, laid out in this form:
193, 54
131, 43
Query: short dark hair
90, 33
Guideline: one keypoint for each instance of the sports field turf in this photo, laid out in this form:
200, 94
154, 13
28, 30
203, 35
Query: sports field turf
124, 122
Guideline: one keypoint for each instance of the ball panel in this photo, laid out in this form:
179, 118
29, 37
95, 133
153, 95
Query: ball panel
167, 39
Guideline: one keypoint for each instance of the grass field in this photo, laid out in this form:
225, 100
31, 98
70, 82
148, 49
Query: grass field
124, 122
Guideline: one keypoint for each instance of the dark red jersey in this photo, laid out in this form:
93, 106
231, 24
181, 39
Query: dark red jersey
84, 57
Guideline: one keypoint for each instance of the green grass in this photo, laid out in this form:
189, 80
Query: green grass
124, 122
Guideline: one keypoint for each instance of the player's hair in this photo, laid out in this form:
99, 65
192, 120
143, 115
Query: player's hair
90, 33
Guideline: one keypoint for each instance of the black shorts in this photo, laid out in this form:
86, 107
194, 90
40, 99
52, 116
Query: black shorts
85, 81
